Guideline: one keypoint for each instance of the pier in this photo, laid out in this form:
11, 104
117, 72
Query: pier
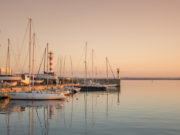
78, 81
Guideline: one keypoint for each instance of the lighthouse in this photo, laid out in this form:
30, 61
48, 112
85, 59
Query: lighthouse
51, 62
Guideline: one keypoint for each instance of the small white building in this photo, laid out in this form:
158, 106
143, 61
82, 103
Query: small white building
5, 71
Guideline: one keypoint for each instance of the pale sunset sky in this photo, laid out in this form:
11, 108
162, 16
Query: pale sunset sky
141, 37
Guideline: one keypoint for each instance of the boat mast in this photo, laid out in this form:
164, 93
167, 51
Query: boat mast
47, 64
47, 57
96, 74
8, 58
34, 36
30, 37
44, 60
92, 65
85, 62
107, 76
64, 70
71, 70
61, 61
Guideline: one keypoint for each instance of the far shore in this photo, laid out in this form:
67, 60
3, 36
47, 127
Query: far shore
150, 78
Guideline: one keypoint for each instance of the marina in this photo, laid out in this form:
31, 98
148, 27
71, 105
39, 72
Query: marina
49, 78
89, 67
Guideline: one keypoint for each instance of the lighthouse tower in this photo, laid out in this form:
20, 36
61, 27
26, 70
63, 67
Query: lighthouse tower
51, 62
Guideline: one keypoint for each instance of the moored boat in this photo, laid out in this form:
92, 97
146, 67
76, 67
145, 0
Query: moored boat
92, 87
36, 95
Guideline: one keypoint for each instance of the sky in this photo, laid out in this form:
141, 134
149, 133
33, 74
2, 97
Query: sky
141, 37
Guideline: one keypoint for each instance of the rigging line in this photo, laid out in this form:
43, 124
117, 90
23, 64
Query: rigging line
22, 45
14, 56
80, 59
64, 67
37, 43
38, 47
37, 39
3, 57
41, 62
60, 70
72, 75
61, 63
39, 121
24, 62
111, 69
57, 65
4, 60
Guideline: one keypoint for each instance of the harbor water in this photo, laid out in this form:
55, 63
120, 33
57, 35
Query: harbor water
136, 108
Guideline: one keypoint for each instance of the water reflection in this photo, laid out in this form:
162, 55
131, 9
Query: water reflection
94, 100
134, 108
40, 117
36, 112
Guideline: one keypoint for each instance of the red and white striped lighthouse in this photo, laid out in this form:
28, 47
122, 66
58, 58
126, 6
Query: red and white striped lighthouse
51, 62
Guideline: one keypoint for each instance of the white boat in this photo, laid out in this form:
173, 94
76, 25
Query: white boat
72, 89
25, 79
110, 85
38, 81
92, 87
9, 80
37, 95
6, 77
11, 84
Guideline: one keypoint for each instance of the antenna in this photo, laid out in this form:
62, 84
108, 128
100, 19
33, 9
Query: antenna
85, 62
92, 65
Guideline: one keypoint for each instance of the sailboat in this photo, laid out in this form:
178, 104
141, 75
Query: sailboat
90, 86
34, 94
108, 84
72, 88
6, 77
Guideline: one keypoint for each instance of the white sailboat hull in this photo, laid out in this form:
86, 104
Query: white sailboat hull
36, 95
111, 85
10, 78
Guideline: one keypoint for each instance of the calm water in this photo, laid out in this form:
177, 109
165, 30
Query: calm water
138, 108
